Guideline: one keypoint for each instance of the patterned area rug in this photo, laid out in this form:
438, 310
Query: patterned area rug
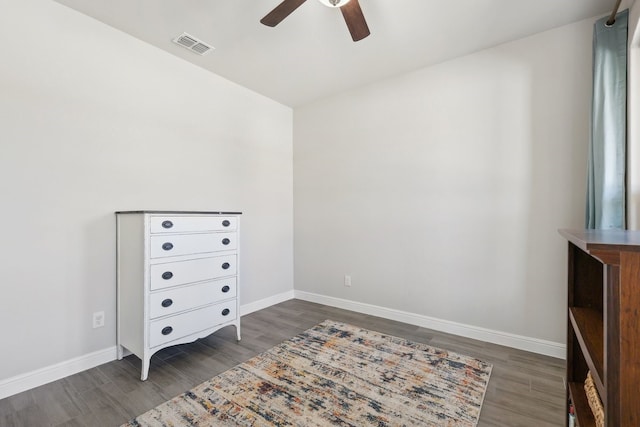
335, 374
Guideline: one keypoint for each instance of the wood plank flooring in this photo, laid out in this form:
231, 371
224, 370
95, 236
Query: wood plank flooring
525, 389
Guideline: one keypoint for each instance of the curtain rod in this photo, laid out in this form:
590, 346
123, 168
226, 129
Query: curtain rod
612, 18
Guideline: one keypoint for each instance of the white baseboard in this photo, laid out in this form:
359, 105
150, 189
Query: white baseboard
265, 302
534, 345
29, 380
23, 382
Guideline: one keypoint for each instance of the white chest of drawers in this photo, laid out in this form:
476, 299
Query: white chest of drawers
177, 278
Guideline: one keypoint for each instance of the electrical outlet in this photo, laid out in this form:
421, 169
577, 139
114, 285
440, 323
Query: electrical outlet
347, 281
98, 319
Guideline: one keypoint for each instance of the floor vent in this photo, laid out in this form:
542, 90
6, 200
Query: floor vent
193, 44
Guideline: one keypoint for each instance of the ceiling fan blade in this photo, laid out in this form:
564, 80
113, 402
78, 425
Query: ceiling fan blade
281, 11
355, 20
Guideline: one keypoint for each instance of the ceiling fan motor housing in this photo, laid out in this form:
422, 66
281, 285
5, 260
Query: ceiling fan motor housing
334, 3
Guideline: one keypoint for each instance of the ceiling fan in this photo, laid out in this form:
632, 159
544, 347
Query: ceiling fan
350, 11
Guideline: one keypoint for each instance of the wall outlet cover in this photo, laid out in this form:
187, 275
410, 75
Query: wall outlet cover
98, 319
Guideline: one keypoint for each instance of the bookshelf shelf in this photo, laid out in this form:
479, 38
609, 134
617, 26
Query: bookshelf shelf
588, 328
583, 412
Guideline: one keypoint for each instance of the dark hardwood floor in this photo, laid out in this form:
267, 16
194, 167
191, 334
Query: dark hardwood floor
525, 389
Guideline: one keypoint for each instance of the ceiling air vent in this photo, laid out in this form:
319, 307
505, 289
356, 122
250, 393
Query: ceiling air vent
193, 44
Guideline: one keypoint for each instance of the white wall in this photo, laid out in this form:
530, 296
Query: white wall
93, 121
441, 191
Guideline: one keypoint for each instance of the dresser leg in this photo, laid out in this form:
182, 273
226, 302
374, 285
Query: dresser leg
145, 369
237, 325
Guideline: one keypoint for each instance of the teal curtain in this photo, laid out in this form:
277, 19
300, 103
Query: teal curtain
607, 151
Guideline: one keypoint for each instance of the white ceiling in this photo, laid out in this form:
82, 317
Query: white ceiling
311, 55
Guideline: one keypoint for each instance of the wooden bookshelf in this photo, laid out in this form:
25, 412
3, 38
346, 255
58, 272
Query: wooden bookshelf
603, 314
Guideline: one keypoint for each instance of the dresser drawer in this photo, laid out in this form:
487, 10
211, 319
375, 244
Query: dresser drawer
196, 270
172, 301
185, 244
178, 326
186, 224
